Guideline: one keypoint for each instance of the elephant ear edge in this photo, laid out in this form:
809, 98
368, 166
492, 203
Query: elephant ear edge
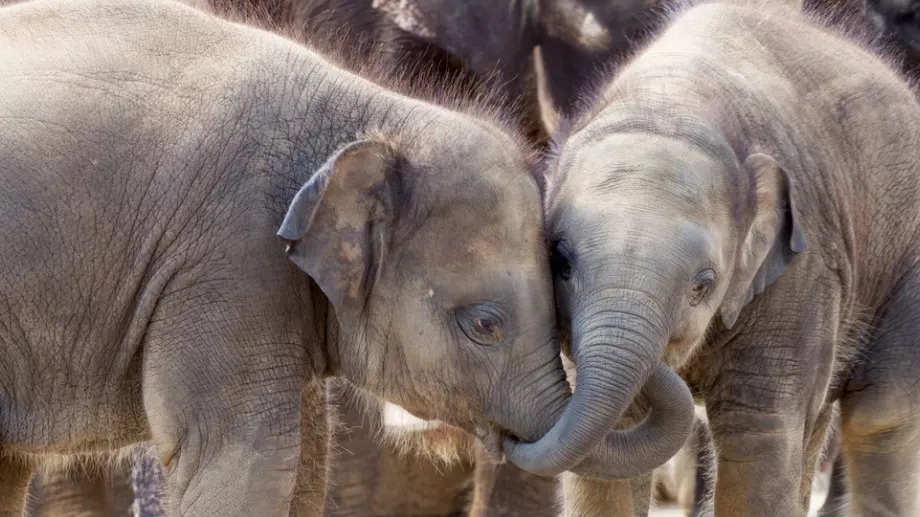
332, 225
773, 240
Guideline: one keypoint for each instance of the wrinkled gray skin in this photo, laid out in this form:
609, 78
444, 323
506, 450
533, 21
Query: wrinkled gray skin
366, 478
146, 293
743, 203
310, 16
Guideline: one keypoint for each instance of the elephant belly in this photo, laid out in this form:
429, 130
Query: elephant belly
71, 416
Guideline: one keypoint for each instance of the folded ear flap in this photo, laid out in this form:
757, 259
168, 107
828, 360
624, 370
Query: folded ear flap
334, 223
773, 239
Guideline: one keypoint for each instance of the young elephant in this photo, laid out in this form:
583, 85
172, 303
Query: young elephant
744, 202
146, 295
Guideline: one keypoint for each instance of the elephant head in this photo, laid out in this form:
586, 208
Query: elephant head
660, 230
578, 39
896, 22
436, 266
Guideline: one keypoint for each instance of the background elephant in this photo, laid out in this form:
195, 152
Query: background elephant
98, 493
736, 216
535, 59
892, 26
216, 335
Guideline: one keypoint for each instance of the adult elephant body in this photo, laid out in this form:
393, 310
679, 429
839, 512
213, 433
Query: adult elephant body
146, 294
744, 204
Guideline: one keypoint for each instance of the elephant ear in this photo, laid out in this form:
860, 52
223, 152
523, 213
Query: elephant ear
483, 34
773, 240
335, 227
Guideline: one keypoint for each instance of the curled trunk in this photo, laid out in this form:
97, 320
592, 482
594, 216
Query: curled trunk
617, 346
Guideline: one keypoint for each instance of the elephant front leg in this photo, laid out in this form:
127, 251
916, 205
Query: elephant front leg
317, 423
223, 388
14, 485
767, 439
98, 491
587, 497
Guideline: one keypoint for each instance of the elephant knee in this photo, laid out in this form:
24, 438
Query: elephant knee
872, 415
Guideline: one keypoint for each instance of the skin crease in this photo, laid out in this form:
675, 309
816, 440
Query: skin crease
760, 149
320, 21
234, 123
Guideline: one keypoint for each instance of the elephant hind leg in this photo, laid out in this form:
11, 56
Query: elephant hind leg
84, 492
14, 485
880, 416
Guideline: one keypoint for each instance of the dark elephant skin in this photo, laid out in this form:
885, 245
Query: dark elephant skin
742, 204
579, 41
221, 219
373, 39
890, 25
896, 23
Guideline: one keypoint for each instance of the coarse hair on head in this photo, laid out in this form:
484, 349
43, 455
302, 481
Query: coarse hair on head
348, 47
849, 27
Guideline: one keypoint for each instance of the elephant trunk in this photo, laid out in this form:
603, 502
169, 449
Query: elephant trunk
617, 344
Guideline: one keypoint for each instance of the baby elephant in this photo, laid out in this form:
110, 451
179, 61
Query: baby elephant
744, 202
146, 295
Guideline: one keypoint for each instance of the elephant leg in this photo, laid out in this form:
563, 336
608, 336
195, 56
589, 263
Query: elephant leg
485, 474
765, 405
588, 497
314, 451
149, 484
813, 450
517, 493
880, 413
641, 488
354, 466
85, 492
223, 388
836, 502
704, 476
14, 485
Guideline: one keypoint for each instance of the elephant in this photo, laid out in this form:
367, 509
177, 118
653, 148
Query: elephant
892, 26
542, 55
741, 203
547, 53
219, 219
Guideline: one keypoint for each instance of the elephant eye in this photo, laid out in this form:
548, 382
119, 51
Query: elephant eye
560, 260
701, 285
481, 323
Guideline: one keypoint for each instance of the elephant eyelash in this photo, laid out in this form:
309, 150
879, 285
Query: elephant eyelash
701, 286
